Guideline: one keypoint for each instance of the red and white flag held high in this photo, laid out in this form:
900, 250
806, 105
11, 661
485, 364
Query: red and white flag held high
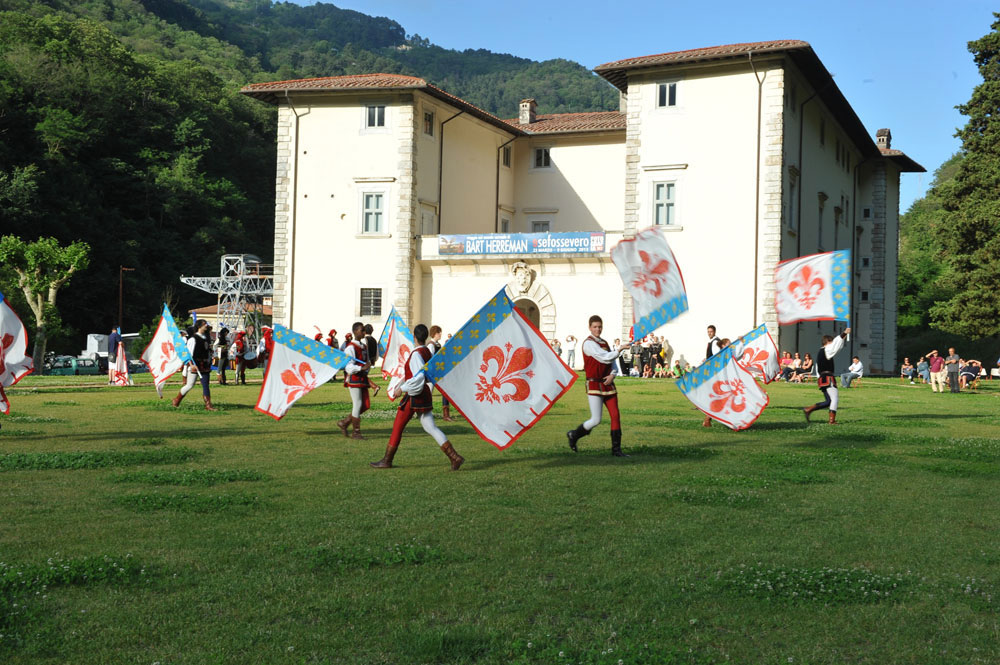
166, 353
120, 377
814, 288
651, 274
500, 372
724, 391
15, 363
758, 354
297, 365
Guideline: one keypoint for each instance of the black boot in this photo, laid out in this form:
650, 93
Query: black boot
616, 443
575, 435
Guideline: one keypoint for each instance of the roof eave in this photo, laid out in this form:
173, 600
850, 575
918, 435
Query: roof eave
905, 164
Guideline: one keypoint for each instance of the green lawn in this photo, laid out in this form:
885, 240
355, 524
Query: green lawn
131, 532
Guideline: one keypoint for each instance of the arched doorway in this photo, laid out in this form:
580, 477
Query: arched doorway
529, 309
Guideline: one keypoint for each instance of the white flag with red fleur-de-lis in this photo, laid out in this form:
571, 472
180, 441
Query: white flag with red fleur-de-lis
15, 363
758, 354
500, 372
297, 365
166, 353
653, 278
725, 391
814, 288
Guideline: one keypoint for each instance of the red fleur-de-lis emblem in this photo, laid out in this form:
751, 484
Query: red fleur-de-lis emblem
652, 275
299, 379
728, 396
5, 343
806, 287
754, 360
167, 349
399, 371
511, 370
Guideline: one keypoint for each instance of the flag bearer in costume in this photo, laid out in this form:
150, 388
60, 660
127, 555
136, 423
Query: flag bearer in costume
417, 399
356, 381
200, 347
827, 382
241, 364
600, 368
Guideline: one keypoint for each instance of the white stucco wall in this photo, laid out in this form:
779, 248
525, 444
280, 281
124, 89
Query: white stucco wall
339, 160
470, 176
582, 190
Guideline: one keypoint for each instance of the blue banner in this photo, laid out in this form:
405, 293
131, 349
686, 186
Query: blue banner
523, 243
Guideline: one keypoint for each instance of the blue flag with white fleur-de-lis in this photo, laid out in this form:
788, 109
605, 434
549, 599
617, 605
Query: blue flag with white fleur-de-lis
500, 372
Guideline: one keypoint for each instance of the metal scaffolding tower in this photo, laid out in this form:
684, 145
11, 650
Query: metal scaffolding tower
241, 287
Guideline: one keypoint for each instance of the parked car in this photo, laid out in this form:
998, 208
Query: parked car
70, 366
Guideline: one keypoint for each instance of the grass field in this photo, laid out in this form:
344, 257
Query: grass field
131, 532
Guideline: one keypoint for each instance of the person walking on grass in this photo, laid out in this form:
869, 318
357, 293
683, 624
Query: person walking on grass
113, 339
600, 370
356, 381
199, 345
570, 351
826, 381
222, 351
417, 399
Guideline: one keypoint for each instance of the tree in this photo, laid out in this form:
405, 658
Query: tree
42, 268
969, 239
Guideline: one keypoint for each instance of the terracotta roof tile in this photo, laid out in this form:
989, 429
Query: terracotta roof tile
902, 160
272, 91
705, 53
555, 123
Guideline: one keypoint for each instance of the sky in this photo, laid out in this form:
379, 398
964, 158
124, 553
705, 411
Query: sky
904, 65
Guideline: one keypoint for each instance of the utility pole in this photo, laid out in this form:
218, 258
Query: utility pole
121, 279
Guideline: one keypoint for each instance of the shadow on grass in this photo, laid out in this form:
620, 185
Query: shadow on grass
130, 435
846, 439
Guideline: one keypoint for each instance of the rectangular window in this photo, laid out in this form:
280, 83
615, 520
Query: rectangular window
540, 227
866, 262
866, 213
376, 116
506, 156
372, 215
504, 226
664, 203
371, 302
864, 296
666, 95
542, 158
429, 123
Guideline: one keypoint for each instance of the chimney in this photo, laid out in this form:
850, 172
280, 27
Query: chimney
526, 116
883, 138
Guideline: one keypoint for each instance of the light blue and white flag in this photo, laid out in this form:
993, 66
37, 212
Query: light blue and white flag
167, 352
758, 354
653, 278
723, 390
814, 288
297, 366
500, 372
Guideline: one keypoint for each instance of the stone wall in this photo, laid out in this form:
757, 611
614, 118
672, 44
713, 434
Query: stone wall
282, 216
406, 213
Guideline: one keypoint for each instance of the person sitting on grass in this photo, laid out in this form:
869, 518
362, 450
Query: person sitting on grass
907, 371
647, 371
969, 373
661, 372
924, 370
678, 371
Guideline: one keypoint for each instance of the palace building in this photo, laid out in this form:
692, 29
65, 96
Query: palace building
391, 191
